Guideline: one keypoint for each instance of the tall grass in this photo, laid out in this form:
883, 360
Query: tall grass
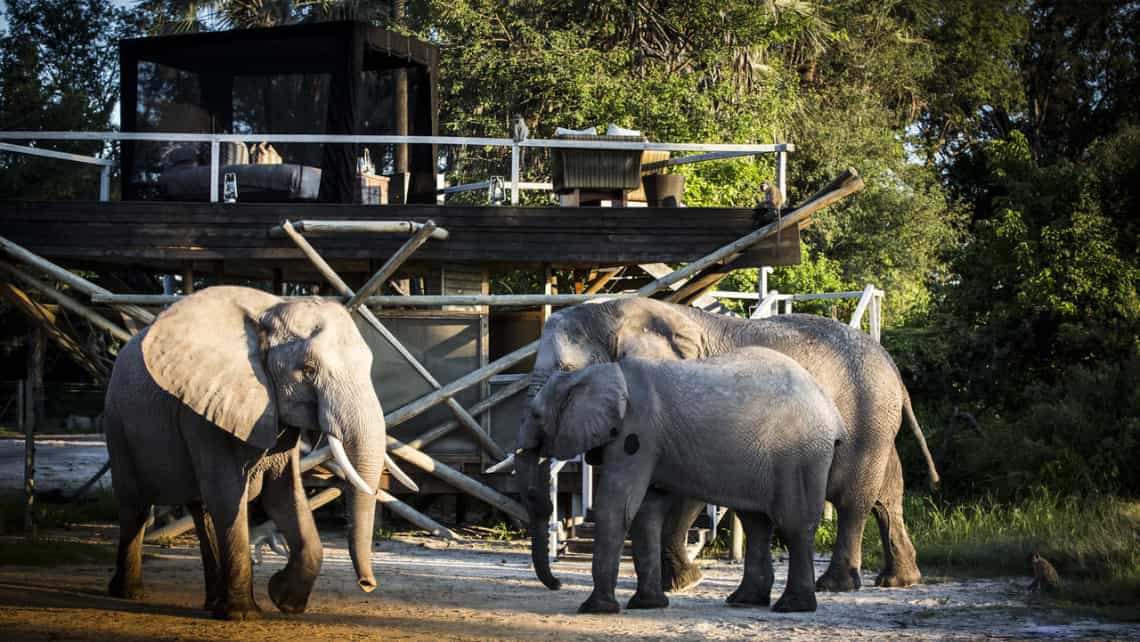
1094, 542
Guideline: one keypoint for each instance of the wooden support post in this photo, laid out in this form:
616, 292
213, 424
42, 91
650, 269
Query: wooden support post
334, 279
737, 538
28, 419
548, 288
188, 279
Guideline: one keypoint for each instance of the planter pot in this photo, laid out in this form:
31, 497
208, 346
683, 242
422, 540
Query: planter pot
664, 190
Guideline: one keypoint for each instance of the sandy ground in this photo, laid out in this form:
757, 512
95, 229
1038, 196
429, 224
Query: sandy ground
476, 591
487, 591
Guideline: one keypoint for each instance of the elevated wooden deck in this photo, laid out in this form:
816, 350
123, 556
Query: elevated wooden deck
164, 235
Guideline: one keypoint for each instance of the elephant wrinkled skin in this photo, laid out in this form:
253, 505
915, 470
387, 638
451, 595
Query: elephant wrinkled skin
851, 368
750, 430
204, 408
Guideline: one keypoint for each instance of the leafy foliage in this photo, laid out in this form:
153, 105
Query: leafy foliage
59, 71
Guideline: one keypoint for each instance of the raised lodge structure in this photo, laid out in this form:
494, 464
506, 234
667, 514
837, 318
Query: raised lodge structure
305, 160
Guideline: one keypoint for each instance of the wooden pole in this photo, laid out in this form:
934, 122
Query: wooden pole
600, 282
318, 228
847, 183
391, 265
334, 279
28, 405
83, 285
737, 539
483, 406
188, 279
66, 302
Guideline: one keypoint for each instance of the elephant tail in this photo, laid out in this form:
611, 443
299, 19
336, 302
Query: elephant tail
908, 414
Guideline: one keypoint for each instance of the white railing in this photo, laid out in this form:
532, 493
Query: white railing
870, 304
712, 151
104, 163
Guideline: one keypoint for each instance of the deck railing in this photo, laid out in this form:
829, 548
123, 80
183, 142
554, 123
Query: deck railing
708, 151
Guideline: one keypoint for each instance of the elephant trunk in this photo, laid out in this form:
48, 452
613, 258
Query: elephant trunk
362, 513
535, 493
359, 424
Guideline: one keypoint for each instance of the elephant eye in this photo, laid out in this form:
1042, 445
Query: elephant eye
309, 370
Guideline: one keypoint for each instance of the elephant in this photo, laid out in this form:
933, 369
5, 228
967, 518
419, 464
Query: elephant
850, 367
748, 429
205, 407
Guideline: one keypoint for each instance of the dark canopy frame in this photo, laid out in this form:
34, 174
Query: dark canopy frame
344, 50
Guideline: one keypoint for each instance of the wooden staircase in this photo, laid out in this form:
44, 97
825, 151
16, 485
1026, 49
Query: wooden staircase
580, 544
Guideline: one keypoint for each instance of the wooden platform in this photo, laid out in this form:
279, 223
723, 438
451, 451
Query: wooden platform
166, 235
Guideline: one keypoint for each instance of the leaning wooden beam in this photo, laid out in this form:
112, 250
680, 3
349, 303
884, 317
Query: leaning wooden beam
342, 288
83, 285
66, 302
419, 406
483, 406
46, 320
391, 265
437, 469
342, 227
847, 183
600, 282
457, 479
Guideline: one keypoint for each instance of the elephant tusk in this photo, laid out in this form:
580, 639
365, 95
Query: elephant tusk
346, 466
400, 475
506, 464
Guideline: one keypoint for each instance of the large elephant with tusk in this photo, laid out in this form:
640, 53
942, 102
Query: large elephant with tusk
205, 408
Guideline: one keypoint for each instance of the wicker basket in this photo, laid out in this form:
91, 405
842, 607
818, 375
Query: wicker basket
596, 169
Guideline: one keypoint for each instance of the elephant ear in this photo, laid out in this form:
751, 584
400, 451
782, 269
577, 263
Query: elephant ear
659, 338
206, 350
588, 408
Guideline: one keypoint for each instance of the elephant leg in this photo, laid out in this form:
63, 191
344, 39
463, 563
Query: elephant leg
208, 544
619, 498
842, 573
127, 581
756, 586
799, 592
678, 573
900, 563
283, 498
646, 535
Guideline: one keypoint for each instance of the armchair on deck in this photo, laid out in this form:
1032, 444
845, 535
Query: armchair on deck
588, 175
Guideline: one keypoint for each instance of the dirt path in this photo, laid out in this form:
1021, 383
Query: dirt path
488, 592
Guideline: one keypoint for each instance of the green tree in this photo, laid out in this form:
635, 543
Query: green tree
59, 71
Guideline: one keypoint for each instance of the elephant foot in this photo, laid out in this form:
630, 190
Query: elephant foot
237, 612
680, 577
647, 601
125, 590
898, 579
749, 597
795, 603
286, 595
837, 582
596, 604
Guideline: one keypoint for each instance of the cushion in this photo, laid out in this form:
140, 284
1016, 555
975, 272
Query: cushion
614, 130
564, 131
